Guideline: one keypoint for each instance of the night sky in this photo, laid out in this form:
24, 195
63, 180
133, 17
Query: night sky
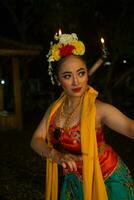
35, 22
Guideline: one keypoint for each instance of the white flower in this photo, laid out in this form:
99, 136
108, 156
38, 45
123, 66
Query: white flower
67, 38
74, 36
50, 59
54, 53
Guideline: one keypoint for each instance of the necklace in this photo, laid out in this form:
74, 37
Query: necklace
68, 116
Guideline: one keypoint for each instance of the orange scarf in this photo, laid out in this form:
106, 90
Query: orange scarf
93, 184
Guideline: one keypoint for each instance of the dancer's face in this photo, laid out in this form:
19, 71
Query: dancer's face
73, 76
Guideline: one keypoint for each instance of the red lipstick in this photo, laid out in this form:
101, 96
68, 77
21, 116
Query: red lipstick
76, 89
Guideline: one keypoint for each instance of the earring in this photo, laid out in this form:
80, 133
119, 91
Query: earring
58, 83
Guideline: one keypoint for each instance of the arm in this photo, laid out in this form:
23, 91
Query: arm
95, 66
39, 145
116, 120
38, 141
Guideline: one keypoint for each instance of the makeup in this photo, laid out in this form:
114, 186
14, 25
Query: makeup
76, 89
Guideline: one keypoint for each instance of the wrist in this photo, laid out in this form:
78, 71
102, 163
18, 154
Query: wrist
46, 152
55, 156
52, 154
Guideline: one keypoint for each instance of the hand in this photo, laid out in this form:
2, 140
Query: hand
65, 160
69, 160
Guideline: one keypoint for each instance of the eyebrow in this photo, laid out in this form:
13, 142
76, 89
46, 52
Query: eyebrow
68, 72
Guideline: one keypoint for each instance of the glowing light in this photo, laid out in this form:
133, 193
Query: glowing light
124, 61
102, 40
103, 43
57, 35
2, 82
60, 32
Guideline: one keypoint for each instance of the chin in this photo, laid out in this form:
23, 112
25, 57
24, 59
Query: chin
76, 94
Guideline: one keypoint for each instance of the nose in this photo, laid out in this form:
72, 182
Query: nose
75, 80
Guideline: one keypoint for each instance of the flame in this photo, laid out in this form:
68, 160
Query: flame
60, 32
102, 40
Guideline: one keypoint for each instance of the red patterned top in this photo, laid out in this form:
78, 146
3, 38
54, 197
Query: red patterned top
68, 140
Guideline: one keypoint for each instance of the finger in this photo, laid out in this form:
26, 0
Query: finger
67, 162
64, 165
72, 165
76, 158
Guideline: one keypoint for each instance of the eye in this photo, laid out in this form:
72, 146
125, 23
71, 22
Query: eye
81, 73
67, 76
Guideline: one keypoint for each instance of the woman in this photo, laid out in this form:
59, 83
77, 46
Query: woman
70, 134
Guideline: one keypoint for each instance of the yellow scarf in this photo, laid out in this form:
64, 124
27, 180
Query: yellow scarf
93, 184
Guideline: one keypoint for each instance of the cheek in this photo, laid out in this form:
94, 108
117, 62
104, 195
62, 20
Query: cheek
85, 80
65, 84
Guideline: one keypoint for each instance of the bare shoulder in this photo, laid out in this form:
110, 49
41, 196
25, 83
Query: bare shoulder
98, 103
100, 106
112, 117
103, 106
103, 110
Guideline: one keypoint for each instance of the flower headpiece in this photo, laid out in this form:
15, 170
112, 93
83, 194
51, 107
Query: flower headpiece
67, 44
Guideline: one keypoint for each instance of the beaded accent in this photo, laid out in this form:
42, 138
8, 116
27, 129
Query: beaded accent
68, 116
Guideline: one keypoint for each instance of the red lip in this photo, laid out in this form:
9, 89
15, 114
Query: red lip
76, 89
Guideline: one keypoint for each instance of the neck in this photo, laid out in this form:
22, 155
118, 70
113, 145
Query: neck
72, 101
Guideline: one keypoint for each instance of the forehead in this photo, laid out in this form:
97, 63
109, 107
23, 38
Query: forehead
71, 64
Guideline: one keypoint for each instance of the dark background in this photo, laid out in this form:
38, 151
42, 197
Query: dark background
34, 22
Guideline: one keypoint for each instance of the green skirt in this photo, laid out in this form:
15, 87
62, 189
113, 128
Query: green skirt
119, 185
